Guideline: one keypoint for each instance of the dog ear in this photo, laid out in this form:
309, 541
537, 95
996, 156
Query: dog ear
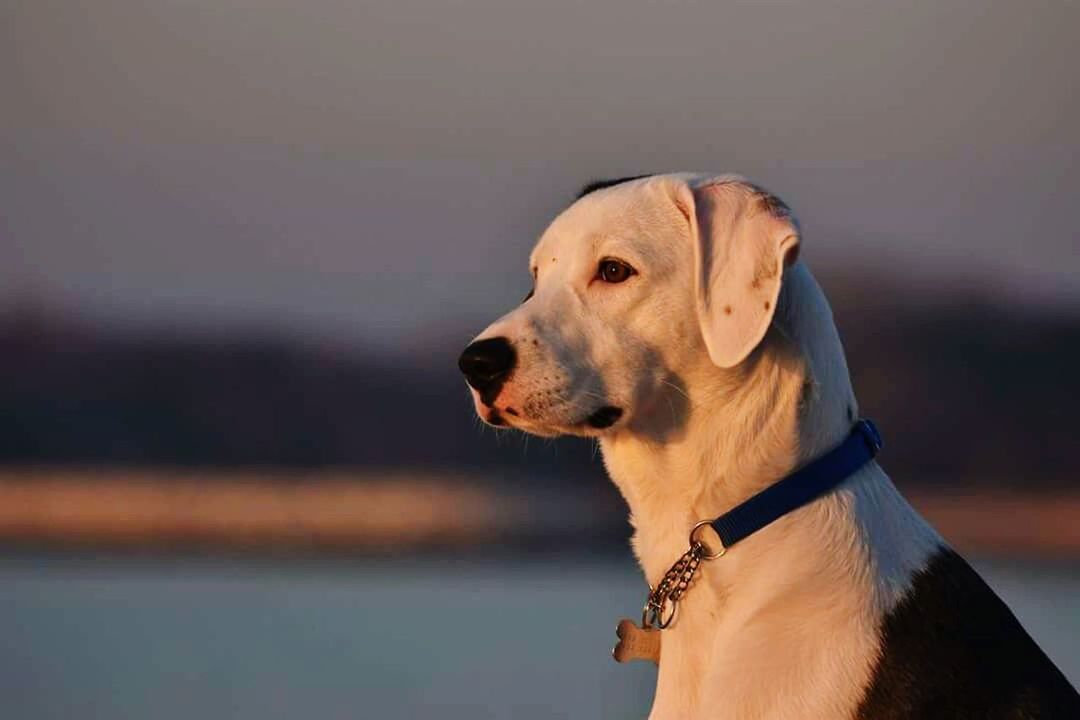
743, 238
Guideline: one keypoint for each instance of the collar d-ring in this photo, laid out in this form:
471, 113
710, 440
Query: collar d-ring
695, 541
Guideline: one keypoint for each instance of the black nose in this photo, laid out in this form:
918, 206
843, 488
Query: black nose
486, 363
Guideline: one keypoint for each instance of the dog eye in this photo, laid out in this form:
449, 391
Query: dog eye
614, 271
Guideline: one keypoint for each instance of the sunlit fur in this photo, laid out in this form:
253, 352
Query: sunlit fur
786, 624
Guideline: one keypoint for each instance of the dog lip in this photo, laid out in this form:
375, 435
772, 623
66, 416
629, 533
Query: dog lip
605, 417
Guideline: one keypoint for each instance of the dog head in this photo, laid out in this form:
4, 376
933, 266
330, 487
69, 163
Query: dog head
637, 286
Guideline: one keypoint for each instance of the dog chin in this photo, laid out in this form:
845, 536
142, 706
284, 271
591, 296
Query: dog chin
503, 420
595, 424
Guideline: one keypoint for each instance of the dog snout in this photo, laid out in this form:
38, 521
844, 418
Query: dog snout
486, 364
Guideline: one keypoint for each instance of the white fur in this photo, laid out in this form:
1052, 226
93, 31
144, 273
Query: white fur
786, 624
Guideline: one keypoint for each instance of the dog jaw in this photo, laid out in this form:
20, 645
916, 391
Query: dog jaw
504, 415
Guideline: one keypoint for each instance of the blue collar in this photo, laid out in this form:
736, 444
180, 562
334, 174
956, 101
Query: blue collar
797, 489
800, 487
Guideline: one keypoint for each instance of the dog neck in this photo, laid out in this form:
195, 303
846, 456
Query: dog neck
744, 428
819, 567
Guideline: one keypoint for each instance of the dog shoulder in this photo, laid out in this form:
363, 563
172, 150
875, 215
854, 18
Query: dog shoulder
952, 649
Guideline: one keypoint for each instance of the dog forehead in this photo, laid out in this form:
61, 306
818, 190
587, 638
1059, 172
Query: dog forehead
631, 210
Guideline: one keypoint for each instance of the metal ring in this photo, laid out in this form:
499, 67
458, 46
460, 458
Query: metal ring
661, 624
652, 615
694, 541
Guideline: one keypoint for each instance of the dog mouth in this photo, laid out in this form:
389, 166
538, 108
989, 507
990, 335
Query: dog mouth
604, 418
598, 420
509, 417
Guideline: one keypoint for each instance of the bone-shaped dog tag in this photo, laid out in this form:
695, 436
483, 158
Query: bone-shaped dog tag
636, 643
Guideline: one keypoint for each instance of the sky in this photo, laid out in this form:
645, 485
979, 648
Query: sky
378, 169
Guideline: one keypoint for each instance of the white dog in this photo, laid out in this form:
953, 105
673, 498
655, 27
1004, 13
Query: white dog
671, 319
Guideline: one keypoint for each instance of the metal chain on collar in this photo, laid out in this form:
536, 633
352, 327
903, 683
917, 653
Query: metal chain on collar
790, 493
660, 607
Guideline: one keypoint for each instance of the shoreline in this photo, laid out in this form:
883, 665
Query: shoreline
406, 512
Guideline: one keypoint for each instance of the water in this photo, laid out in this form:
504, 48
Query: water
443, 638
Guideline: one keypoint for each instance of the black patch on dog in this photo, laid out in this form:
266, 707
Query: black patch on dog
951, 649
601, 184
496, 419
605, 417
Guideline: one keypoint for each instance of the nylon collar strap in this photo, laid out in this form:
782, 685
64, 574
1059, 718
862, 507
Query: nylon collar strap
801, 487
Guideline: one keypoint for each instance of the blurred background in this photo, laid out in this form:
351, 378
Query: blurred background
242, 244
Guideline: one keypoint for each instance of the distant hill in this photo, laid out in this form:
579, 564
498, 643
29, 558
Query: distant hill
967, 391
72, 394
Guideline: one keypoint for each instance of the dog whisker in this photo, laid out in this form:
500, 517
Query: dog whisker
676, 388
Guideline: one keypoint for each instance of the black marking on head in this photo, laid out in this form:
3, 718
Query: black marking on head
511, 411
495, 418
605, 417
601, 184
952, 649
